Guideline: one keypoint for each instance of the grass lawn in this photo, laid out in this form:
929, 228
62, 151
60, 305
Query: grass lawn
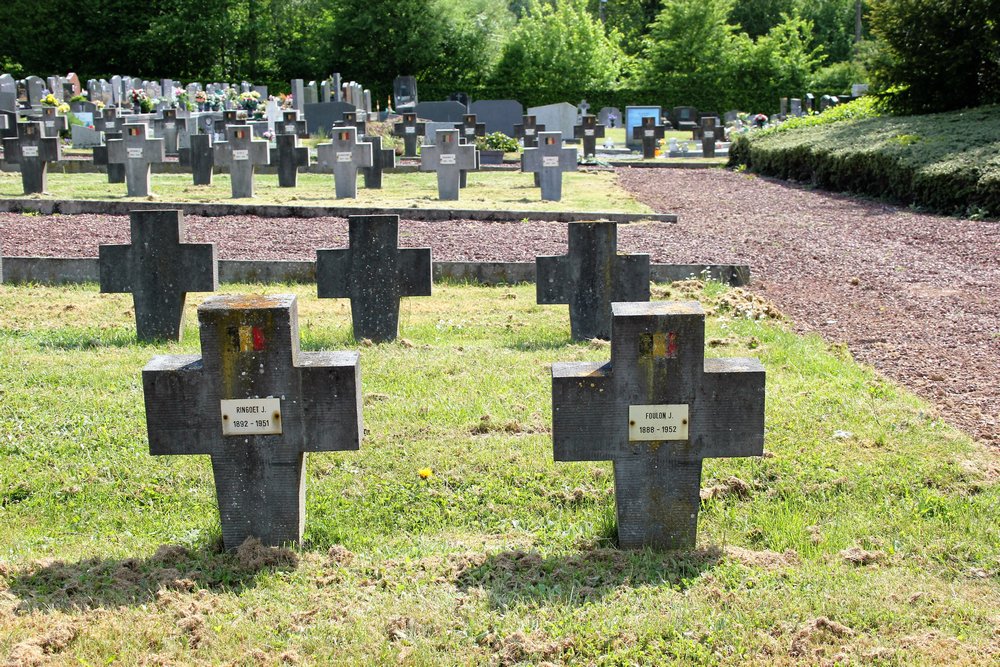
504, 190
502, 556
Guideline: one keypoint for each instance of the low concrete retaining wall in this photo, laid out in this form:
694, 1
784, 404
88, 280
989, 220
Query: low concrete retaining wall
69, 270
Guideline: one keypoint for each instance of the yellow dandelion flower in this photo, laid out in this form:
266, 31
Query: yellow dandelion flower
425, 473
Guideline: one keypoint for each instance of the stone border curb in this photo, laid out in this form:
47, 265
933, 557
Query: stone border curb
71, 270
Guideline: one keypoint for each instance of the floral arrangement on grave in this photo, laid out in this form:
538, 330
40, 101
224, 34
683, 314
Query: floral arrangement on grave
497, 141
50, 101
269, 135
286, 101
184, 100
201, 97
140, 99
249, 101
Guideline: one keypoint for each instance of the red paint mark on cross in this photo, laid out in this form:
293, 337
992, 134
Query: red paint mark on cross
258, 339
672, 345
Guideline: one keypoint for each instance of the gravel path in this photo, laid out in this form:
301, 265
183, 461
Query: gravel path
914, 295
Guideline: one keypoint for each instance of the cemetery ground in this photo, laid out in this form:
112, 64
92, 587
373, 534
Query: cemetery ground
584, 190
452, 536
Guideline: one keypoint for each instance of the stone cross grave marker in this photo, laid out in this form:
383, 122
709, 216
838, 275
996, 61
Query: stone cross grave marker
373, 273
256, 405
657, 410
241, 153
344, 155
137, 152
590, 277
382, 158
648, 133
116, 172
168, 127
53, 122
33, 153
583, 108
159, 269
410, 130
470, 129
527, 131
229, 117
549, 160
448, 158
590, 131
290, 123
202, 159
709, 129
289, 156
356, 120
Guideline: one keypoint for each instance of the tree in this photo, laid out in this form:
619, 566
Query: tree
758, 17
559, 46
936, 55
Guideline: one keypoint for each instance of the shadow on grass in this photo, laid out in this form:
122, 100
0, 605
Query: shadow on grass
514, 577
96, 582
91, 339
538, 344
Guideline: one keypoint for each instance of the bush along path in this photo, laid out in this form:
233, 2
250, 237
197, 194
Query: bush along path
946, 162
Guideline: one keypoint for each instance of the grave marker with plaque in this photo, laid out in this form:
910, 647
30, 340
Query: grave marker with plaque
32, 152
137, 152
344, 155
549, 161
589, 130
649, 133
241, 153
448, 157
410, 130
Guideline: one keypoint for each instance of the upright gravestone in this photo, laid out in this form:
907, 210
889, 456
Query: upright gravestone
289, 156
344, 156
448, 157
470, 129
32, 152
527, 131
649, 133
35, 88
355, 119
589, 130
241, 153
410, 130
159, 269
290, 123
610, 117
783, 103
590, 277
549, 160
498, 115
684, 118
136, 151
709, 129
116, 172
559, 117
373, 273
202, 159
229, 117
796, 106
382, 159
298, 94
657, 410
256, 404
53, 123
168, 127
441, 112
404, 93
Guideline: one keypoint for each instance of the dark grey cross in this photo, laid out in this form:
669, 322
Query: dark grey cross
657, 410
549, 160
291, 124
116, 172
169, 127
32, 152
589, 130
448, 157
344, 155
52, 122
470, 129
202, 159
355, 120
373, 273
382, 159
648, 133
229, 117
256, 405
410, 130
136, 151
527, 131
708, 136
241, 153
590, 277
108, 120
159, 269
289, 156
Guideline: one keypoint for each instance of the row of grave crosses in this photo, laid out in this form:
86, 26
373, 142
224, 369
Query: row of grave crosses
256, 404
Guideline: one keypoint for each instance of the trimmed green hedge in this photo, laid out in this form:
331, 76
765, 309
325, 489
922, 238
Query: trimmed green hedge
947, 162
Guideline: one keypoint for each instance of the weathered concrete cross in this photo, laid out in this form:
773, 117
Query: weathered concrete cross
549, 160
168, 127
373, 273
590, 277
241, 153
32, 152
136, 151
355, 120
159, 269
256, 404
448, 158
590, 131
708, 129
527, 131
291, 124
410, 130
202, 159
648, 132
344, 155
470, 129
53, 122
229, 117
289, 156
382, 158
116, 172
657, 410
